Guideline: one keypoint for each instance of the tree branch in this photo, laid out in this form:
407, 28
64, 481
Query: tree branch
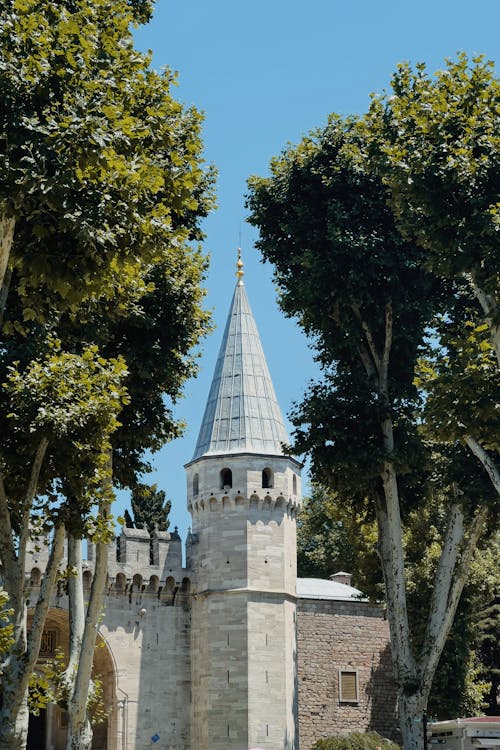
7, 551
28, 500
384, 365
369, 338
434, 649
76, 604
486, 460
4, 292
443, 577
7, 225
43, 602
367, 363
490, 309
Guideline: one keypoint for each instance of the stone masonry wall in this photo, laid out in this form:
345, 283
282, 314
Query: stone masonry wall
334, 636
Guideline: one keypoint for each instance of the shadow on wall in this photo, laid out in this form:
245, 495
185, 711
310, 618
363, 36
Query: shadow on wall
382, 697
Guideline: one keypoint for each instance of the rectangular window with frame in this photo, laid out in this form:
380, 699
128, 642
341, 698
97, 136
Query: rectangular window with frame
348, 686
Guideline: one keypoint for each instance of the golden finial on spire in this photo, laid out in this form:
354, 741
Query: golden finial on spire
239, 268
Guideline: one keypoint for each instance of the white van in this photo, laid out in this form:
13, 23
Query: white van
479, 733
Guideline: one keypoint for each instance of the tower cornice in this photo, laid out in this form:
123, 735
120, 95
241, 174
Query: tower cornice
238, 454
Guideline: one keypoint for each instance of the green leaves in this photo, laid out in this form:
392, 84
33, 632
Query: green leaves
150, 507
102, 170
6, 626
63, 392
73, 401
437, 145
461, 384
394, 210
101, 166
342, 268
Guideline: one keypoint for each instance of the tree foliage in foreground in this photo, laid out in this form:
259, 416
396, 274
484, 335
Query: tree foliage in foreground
387, 325
100, 164
436, 144
101, 192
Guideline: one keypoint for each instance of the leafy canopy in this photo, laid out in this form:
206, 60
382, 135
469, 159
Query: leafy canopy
438, 144
100, 167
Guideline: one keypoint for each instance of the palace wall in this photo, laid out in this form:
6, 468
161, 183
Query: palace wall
343, 644
154, 629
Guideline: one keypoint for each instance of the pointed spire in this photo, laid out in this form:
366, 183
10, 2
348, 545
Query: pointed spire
242, 413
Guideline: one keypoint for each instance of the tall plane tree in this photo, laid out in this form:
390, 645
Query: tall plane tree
102, 182
368, 300
435, 141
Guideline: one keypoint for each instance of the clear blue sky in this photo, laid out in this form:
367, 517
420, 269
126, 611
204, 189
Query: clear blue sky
265, 73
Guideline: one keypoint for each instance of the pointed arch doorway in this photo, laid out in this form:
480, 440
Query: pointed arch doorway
48, 730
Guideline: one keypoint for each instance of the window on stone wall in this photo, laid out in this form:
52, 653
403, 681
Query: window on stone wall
348, 686
226, 479
196, 484
267, 478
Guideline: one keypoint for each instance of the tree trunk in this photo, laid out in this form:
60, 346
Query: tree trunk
7, 225
76, 604
14, 719
79, 728
490, 309
21, 661
411, 708
486, 460
80, 735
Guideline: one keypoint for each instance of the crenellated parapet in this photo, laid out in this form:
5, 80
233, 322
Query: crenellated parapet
269, 504
139, 563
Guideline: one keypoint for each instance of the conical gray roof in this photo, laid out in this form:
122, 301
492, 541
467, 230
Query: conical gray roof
242, 412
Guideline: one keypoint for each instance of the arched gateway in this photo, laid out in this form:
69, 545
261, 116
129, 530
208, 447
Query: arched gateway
48, 730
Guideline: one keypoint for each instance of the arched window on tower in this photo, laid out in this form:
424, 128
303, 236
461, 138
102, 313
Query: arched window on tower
196, 484
294, 484
226, 479
267, 478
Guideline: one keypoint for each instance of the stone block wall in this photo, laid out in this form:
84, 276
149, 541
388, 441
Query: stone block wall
350, 636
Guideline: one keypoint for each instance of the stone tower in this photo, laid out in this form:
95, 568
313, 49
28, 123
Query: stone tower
243, 494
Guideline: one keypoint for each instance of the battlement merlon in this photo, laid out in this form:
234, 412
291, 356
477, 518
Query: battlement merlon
134, 553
